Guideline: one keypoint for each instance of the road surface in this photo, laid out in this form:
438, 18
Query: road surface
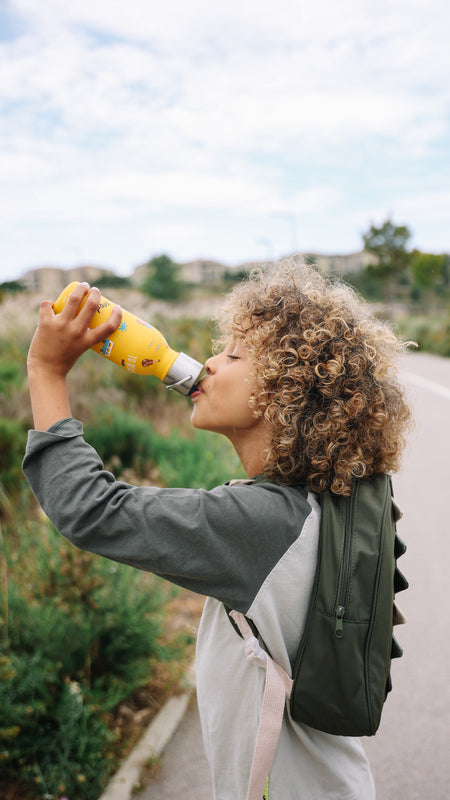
410, 755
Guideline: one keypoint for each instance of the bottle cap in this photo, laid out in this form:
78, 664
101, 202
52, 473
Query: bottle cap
183, 373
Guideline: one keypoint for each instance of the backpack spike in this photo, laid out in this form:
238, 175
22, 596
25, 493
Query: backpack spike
396, 511
398, 617
400, 582
388, 684
399, 547
396, 650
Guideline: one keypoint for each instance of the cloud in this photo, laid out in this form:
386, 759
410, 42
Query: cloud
276, 70
130, 111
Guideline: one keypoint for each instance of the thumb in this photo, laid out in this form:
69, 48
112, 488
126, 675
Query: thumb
46, 310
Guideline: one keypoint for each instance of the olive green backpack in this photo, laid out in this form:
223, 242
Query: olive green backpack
342, 669
341, 674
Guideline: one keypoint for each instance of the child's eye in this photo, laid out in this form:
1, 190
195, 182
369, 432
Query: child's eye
233, 357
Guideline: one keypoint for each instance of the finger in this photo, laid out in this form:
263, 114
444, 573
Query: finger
106, 328
75, 299
90, 306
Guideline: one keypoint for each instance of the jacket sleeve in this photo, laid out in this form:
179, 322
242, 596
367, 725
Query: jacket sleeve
219, 543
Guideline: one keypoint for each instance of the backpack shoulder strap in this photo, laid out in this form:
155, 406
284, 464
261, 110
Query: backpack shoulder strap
278, 687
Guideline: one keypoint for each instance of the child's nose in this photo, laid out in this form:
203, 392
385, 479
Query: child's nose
210, 365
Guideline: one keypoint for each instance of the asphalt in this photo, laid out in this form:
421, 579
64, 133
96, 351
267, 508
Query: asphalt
184, 771
173, 746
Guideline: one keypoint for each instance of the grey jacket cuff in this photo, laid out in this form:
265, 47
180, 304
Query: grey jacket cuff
63, 429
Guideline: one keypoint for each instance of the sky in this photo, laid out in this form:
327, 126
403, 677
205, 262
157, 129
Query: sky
239, 130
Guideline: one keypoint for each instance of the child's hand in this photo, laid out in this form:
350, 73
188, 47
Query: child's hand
60, 339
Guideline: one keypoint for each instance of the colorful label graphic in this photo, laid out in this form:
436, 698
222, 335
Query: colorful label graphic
107, 346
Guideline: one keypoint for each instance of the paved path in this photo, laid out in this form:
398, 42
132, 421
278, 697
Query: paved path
410, 755
184, 772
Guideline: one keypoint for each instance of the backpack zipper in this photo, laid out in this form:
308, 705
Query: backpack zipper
345, 569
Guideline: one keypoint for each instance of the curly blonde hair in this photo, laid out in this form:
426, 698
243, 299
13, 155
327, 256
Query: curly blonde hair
325, 376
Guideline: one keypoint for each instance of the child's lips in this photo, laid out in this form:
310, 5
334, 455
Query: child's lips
196, 391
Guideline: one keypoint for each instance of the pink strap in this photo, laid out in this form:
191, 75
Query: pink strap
277, 688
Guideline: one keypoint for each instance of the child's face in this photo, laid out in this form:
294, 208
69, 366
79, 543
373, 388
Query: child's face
222, 401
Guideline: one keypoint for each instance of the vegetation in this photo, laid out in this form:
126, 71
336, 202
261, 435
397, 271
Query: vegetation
398, 274
113, 282
430, 332
410, 287
78, 635
231, 276
163, 281
12, 444
11, 287
388, 244
126, 442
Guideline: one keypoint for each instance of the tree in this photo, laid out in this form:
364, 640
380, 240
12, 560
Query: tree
162, 281
388, 245
113, 282
10, 287
428, 269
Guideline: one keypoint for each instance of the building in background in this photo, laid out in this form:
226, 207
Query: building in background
50, 281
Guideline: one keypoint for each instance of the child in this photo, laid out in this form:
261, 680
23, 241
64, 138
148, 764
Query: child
304, 387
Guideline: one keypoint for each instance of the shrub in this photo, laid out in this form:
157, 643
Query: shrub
121, 439
431, 333
113, 282
11, 287
199, 460
163, 279
11, 376
203, 461
12, 445
78, 635
51, 736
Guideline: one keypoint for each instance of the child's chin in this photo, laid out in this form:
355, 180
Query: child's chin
194, 419
196, 422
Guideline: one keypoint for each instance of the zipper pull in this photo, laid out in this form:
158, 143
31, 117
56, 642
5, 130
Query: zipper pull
339, 629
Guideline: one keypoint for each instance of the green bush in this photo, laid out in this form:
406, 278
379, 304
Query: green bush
203, 461
163, 279
113, 282
51, 735
78, 634
12, 445
123, 440
11, 287
431, 333
11, 376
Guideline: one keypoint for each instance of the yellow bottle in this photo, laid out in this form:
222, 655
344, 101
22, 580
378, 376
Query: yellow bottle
139, 347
